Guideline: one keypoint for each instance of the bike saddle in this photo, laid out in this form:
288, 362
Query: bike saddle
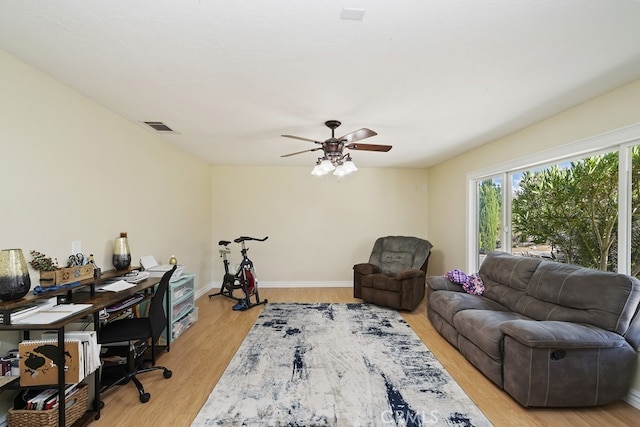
224, 242
243, 238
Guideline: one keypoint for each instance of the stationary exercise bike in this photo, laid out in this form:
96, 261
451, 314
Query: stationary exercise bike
244, 278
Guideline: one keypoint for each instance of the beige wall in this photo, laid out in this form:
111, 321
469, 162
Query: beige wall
73, 170
317, 227
447, 180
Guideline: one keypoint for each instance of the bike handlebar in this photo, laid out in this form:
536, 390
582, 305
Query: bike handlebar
243, 238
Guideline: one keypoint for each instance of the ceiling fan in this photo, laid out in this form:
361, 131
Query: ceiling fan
333, 148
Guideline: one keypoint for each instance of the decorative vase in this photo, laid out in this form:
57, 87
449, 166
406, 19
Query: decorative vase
15, 281
121, 253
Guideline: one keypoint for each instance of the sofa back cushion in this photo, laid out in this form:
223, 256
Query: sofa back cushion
506, 276
570, 293
394, 254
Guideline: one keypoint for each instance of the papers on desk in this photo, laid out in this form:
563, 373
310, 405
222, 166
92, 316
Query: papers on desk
135, 276
118, 286
151, 266
51, 314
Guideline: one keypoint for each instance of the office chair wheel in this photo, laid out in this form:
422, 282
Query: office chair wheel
167, 374
144, 397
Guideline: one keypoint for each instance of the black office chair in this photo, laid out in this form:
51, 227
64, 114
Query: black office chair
137, 329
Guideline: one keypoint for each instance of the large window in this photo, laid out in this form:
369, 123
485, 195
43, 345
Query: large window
578, 209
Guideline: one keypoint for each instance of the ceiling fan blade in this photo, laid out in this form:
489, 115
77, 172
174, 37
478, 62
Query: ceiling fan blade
301, 138
300, 152
369, 147
357, 135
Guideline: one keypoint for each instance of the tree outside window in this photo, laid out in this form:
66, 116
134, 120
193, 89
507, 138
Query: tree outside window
573, 208
489, 215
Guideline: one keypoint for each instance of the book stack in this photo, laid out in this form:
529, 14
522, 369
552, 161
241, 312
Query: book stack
90, 347
48, 398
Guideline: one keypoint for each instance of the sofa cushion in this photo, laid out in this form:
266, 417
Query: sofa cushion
447, 303
382, 298
506, 276
382, 282
562, 335
569, 293
482, 328
441, 283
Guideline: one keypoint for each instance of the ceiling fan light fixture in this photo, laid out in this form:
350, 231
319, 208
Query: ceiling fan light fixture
334, 158
341, 171
327, 165
349, 165
318, 170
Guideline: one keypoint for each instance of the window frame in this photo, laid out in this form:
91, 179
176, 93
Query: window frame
620, 140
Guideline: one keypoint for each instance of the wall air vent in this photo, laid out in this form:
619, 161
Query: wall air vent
159, 126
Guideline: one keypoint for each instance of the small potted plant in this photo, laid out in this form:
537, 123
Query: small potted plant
44, 264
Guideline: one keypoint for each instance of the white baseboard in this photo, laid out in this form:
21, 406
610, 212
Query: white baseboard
633, 398
216, 286
306, 284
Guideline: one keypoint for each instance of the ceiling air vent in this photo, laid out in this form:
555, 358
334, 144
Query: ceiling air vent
159, 126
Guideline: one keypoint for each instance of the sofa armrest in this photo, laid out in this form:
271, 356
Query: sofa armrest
409, 274
556, 334
366, 268
440, 283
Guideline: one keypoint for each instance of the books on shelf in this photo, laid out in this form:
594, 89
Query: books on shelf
48, 398
90, 347
39, 359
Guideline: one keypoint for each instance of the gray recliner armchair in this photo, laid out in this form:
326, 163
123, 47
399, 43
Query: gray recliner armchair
395, 274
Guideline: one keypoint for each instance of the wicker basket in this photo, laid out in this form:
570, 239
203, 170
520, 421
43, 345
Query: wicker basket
76, 405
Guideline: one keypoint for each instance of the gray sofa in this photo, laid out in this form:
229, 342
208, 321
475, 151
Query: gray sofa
549, 334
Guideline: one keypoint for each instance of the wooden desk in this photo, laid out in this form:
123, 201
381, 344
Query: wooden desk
83, 293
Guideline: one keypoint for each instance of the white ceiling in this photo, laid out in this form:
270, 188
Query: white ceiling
432, 77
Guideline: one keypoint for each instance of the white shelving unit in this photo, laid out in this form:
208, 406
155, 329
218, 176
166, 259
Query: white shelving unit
183, 311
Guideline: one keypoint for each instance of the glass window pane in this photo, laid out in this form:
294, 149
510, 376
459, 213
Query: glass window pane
568, 212
489, 236
634, 239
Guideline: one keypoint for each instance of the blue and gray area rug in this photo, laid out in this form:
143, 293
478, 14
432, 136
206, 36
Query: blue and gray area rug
335, 365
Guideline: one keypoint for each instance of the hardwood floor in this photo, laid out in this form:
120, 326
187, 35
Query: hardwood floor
198, 359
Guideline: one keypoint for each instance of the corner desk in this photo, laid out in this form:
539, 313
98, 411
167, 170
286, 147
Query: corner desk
82, 293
